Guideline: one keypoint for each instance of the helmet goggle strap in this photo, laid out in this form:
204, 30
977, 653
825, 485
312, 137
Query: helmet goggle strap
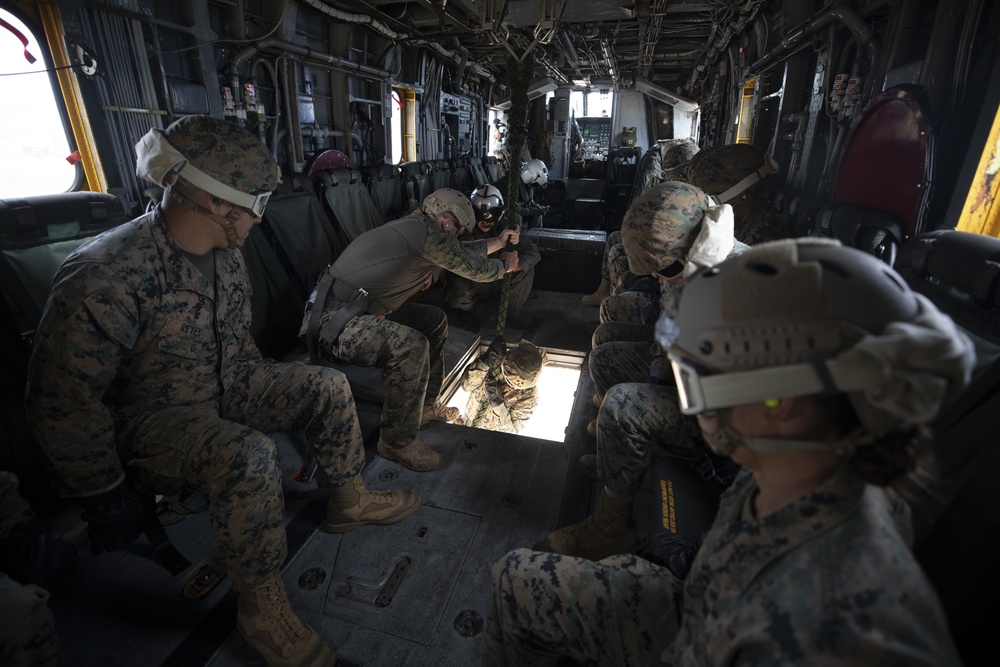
699, 390
769, 167
227, 222
700, 393
255, 201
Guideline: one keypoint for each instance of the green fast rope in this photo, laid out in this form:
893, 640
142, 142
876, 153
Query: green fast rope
519, 73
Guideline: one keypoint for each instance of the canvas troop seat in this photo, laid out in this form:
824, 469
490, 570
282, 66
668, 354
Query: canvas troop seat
477, 172
441, 176
385, 184
36, 235
493, 170
461, 178
348, 203
952, 494
416, 181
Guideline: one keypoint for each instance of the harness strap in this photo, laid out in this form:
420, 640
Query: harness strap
312, 331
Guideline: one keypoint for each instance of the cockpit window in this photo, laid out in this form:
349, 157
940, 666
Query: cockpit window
34, 150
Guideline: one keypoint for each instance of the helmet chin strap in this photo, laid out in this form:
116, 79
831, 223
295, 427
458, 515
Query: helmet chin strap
727, 439
228, 223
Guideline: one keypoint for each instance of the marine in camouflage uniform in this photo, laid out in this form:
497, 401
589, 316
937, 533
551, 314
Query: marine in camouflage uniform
462, 294
144, 372
501, 386
406, 340
821, 573
665, 161
659, 234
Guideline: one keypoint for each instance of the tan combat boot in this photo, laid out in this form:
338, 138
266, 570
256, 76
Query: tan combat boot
267, 621
603, 292
415, 456
353, 505
609, 531
439, 413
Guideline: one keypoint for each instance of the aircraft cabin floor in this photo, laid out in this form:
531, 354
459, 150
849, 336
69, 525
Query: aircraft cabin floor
414, 593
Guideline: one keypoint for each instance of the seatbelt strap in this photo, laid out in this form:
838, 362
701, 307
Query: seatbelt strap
316, 312
358, 305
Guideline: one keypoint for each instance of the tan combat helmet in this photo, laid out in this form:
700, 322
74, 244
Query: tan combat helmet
807, 317
447, 200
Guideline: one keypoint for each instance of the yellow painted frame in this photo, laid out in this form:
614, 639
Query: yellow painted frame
981, 213
70, 89
743, 123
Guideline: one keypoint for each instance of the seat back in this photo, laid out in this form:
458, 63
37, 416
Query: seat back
493, 170
461, 177
385, 185
478, 172
36, 235
348, 203
416, 181
441, 176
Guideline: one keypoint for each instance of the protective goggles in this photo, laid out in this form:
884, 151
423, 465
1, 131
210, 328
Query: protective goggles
700, 391
255, 201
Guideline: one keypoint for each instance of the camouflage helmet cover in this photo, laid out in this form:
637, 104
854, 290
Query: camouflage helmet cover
448, 200
678, 152
717, 169
226, 152
661, 224
522, 365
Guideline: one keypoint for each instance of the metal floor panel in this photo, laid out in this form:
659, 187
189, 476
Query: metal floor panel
418, 592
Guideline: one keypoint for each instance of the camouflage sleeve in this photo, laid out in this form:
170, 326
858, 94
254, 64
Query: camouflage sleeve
89, 322
477, 246
14, 510
446, 251
522, 407
474, 377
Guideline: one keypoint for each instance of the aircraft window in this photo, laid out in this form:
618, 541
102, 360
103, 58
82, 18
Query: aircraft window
591, 103
556, 391
36, 151
396, 127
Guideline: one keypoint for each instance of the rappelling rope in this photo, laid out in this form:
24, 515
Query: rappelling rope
519, 73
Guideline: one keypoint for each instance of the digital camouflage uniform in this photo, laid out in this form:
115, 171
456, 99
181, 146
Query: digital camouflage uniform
462, 293
756, 594
141, 365
27, 627
513, 406
405, 340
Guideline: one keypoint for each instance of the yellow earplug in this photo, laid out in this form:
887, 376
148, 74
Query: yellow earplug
772, 402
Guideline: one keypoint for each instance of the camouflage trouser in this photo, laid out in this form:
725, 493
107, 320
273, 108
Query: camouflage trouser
611, 332
408, 345
621, 361
614, 239
620, 611
223, 452
635, 307
27, 627
634, 418
461, 293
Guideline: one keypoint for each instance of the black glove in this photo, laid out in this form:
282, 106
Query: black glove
117, 517
495, 352
674, 552
34, 554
